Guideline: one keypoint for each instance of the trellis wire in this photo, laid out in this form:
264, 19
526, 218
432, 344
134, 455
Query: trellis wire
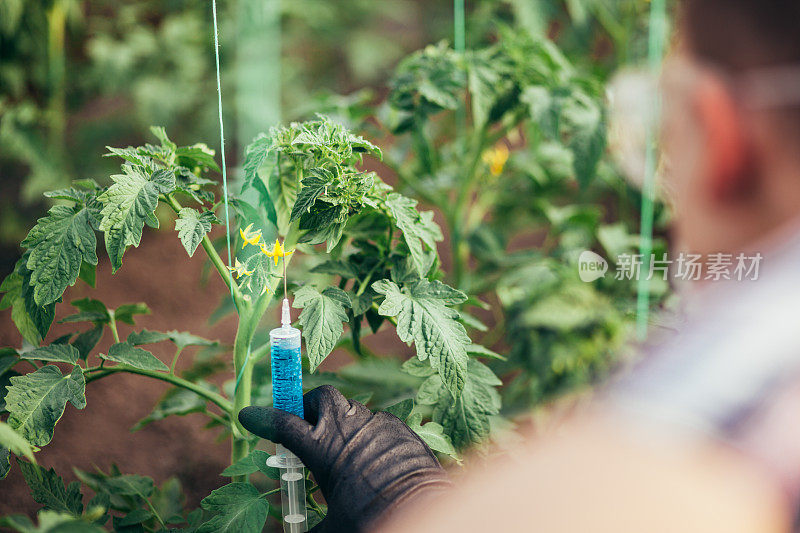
656, 41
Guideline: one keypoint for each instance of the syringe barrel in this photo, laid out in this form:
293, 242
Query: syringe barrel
287, 395
287, 371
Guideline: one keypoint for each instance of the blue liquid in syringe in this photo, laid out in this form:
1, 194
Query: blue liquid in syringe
287, 371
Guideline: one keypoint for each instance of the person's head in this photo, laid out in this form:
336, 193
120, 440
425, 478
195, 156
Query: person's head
731, 123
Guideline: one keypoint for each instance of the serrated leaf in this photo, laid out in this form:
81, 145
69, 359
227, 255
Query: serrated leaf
418, 229
192, 226
466, 419
59, 243
424, 319
313, 186
255, 155
64, 353
322, 320
122, 352
128, 205
37, 400
237, 507
16, 443
48, 489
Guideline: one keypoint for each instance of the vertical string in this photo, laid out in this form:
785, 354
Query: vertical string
459, 44
655, 55
222, 140
459, 30
224, 170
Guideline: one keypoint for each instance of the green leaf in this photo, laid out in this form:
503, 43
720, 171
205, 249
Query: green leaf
466, 419
37, 400
182, 339
129, 485
254, 462
48, 489
128, 205
122, 352
588, 139
88, 273
32, 321
237, 507
168, 501
137, 516
424, 319
59, 243
259, 459
434, 436
64, 353
50, 522
16, 443
192, 226
255, 155
313, 186
87, 340
146, 337
126, 312
322, 320
282, 189
482, 80
415, 367
175, 402
418, 228
481, 351
401, 409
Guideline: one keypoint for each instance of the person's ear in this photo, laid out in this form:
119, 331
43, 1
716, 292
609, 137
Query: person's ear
728, 149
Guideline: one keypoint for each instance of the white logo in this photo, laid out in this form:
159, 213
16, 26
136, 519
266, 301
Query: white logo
591, 266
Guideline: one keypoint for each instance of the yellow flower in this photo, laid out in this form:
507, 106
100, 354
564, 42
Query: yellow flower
250, 237
240, 270
277, 251
496, 159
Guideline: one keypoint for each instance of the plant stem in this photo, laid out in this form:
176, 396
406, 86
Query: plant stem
248, 322
223, 403
175, 360
112, 323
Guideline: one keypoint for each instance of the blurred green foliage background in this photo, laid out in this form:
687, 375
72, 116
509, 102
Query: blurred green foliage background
76, 76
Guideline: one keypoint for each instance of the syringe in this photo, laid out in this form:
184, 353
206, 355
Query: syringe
287, 395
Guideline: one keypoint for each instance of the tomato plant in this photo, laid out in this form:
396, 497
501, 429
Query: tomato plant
309, 195
504, 140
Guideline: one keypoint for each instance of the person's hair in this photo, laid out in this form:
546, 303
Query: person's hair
739, 35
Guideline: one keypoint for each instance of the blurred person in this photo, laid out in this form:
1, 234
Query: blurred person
702, 434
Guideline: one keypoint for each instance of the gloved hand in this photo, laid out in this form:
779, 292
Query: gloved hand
365, 464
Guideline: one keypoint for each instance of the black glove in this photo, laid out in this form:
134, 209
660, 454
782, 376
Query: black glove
365, 464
